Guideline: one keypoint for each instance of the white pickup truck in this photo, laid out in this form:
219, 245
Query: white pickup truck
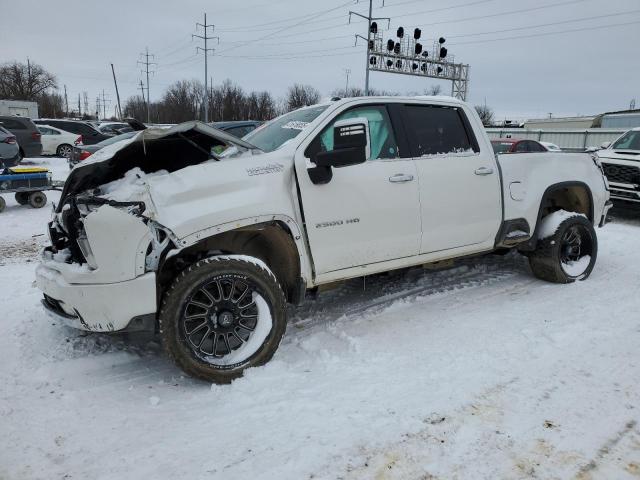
621, 163
160, 231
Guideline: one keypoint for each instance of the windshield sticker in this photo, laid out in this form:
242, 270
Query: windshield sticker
295, 125
264, 170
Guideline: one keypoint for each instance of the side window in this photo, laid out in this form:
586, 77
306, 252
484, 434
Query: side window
10, 124
522, 147
239, 131
436, 130
85, 129
383, 140
536, 147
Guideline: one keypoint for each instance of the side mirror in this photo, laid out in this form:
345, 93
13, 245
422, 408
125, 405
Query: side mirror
604, 145
350, 147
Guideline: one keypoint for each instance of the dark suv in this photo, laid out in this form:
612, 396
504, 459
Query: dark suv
89, 134
27, 135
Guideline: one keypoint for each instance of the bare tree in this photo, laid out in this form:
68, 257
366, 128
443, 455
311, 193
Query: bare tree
22, 81
301, 95
486, 114
433, 90
135, 107
181, 102
51, 105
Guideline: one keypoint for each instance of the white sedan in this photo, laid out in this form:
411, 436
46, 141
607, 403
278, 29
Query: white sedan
58, 142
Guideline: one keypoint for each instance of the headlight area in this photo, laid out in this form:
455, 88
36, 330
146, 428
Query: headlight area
111, 241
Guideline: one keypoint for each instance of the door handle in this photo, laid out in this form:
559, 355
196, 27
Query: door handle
484, 171
400, 178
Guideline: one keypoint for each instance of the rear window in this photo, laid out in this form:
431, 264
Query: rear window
11, 124
435, 130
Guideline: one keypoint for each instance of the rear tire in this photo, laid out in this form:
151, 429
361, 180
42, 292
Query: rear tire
37, 199
22, 198
3, 204
64, 150
221, 316
567, 255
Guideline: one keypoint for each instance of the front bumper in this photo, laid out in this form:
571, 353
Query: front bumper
105, 307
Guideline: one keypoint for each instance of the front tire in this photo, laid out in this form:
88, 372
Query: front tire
222, 315
567, 255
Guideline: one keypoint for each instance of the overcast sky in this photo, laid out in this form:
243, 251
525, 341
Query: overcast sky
584, 69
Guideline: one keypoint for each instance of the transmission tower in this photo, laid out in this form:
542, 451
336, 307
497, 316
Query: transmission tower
147, 64
205, 36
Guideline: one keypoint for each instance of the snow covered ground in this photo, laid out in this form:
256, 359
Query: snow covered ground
478, 371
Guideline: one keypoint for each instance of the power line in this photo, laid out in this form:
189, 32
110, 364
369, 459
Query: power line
532, 35
492, 15
476, 2
306, 20
284, 20
583, 19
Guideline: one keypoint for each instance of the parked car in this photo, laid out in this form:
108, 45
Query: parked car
58, 142
516, 145
551, 147
89, 134
27, 135
9, 149
82, 152
114, 128
160, 232
237, 129
621, 163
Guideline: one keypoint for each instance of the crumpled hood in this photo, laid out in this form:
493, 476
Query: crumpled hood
151, 150
201, 197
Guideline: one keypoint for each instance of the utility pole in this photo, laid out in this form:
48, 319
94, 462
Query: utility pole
79, 113
85, 98
347, 71
147, 63
115, 82
369, 19
66, 102
205, 27
98, 107
104, 106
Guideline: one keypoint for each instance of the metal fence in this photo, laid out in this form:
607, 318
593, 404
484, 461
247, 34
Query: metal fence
576, 140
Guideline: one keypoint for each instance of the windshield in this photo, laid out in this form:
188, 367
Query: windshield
274, 134
501, 147
115, 139
629, 141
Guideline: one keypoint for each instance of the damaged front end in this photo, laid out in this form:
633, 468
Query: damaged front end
99, 273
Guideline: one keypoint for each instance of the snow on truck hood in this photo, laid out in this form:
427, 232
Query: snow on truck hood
151, 150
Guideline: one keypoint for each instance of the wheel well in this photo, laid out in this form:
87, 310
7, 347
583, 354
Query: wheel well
572, 197
569, 196
272, 243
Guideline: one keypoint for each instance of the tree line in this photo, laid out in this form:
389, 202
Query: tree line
183, 100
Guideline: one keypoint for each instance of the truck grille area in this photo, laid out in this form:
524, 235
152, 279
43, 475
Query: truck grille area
621, 173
